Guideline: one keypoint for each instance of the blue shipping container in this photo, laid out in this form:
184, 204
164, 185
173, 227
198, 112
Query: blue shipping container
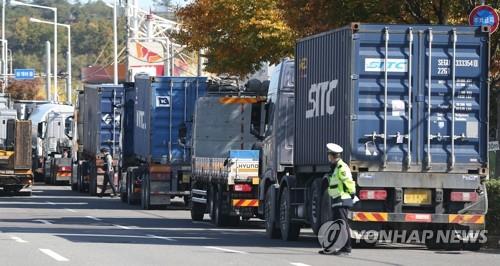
129, 122
396, 97
103, 119
163, 111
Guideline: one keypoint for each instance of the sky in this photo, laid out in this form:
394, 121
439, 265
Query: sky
146, 4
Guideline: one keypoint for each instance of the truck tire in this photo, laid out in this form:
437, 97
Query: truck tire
130, 193
316, 205
271, 230
93, 186
290, 231
145, 199
326, 213
197, 211
123, 197
232, 220
217, 218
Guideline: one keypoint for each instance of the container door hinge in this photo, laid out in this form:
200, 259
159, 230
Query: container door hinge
355, 36
354, 76
354, 117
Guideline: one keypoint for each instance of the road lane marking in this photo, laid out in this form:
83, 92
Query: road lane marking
42, 221
226, 250
40, 203
121, 226
50, 203
70, 210
162, 237
53, 255
138, 236
299, 264
93, 218
18, 239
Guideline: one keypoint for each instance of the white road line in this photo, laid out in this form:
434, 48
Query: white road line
42, 221
18, 239
121, 226
53, 255
40, 203
70, 210
93, 218
299, 264
137, 236
226, 250
162, 237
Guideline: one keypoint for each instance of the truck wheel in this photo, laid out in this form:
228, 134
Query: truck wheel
210, 202
123, 197
473, 246
128, 186
316, 205
145, 199
289, 230
93, 186
271, 230
197, 211
232, 220
326, 208
218, 219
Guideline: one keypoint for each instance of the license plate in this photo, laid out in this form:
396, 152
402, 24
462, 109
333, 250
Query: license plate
417, 196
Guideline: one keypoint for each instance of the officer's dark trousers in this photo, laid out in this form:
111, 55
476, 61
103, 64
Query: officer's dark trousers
108, 179
341, 213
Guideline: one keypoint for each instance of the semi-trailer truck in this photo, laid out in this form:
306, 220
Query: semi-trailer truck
52, 142
157, 122
225, 179
15, 150
99, 126
409, 105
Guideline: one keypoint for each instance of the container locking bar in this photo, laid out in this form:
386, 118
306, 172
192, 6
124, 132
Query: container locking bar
410, 50
386, 37
453, 87
170, 118
429, 103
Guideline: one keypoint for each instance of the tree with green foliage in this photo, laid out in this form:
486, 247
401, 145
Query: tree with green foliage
91, 29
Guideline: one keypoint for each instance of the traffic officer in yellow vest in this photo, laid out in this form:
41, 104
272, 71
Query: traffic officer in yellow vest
341, 188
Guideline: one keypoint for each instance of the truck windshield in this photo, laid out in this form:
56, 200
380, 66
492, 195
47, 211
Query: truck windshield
289, 76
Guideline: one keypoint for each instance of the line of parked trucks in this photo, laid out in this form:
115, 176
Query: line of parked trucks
408, 103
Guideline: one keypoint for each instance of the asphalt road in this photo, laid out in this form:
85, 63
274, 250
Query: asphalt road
57, 226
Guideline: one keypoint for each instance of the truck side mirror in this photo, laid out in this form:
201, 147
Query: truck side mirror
68, 127
41, 129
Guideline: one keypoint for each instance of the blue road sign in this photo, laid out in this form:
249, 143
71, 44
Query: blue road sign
24, 73
484, 16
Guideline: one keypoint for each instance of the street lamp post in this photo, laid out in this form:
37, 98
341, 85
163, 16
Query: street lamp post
18, 3
115, 42
69, 79
4, 85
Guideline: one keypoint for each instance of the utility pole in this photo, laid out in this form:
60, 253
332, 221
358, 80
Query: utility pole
47, 70
4, 49
115, 46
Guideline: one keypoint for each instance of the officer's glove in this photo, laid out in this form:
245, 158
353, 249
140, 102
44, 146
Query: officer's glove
355, 199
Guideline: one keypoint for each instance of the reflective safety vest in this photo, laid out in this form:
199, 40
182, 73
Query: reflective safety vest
340, 183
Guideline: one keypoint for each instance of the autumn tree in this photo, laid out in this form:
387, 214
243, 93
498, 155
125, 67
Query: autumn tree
26, 89
237, 35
